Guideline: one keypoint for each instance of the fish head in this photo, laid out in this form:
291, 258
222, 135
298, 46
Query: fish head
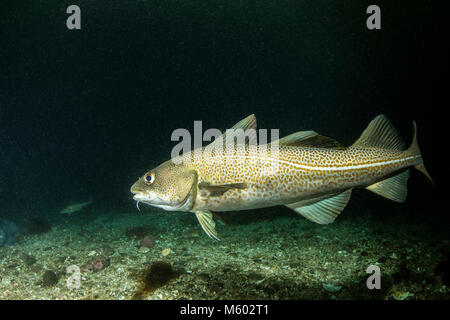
169, 186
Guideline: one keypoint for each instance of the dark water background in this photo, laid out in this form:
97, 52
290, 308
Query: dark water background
84, 113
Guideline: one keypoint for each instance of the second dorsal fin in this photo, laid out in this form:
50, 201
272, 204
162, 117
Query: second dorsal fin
308, 139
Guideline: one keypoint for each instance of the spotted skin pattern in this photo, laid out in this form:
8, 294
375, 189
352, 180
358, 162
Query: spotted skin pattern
290, 173
309, 173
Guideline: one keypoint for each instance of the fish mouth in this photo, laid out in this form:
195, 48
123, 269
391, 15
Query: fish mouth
140, 198
154, 202
146, 199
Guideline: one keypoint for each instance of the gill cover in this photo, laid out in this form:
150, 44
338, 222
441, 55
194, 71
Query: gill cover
176, 183
187, 188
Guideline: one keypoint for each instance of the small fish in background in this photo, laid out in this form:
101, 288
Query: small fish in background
311, 174
75, 207
8, 232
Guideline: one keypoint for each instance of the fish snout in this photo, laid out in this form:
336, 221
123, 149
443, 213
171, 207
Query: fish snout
135, 188
139, 192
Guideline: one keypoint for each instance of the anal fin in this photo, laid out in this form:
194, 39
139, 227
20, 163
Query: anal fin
323, 210
393, 188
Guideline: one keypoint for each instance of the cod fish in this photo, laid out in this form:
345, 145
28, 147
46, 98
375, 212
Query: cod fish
309, 173
71, 208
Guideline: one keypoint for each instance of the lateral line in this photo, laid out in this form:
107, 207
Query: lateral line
318, 168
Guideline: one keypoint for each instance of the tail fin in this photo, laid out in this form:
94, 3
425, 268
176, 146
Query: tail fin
380, 133
414, 149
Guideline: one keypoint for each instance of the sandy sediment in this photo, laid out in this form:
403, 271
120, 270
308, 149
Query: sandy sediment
286, 257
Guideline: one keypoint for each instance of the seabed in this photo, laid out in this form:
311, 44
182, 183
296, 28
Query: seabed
263, 254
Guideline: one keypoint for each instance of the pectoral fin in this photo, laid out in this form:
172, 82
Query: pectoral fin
393, 188
323, 210
218, 190
205, 218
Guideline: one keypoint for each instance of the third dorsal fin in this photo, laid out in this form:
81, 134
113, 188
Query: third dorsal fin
380, 133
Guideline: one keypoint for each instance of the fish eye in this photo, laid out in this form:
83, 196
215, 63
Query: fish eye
149, 178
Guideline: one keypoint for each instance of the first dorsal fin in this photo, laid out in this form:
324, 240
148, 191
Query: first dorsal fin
247, 123
308, 139
380, 133
242, 132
